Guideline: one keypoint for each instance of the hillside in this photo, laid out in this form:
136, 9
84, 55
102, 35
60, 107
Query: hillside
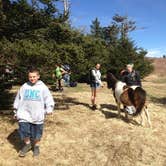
159, 68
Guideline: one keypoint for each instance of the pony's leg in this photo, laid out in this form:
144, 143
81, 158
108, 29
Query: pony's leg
142, 119
118, 105
126, 115
148, 116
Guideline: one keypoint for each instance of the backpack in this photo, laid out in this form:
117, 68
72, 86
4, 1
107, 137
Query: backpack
66, 68
73, 84
90, 77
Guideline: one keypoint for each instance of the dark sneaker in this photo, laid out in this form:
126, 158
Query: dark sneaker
25, 149
36, 151
94, 107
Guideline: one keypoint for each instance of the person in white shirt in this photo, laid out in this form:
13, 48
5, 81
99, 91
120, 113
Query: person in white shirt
95, 83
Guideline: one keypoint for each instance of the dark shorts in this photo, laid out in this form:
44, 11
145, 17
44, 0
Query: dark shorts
94, 85
29, 130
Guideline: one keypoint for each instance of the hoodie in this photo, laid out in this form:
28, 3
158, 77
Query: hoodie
33, 102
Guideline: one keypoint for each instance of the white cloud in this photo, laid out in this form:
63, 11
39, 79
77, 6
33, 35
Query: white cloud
156, 52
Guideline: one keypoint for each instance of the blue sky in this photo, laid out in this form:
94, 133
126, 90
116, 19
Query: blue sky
149, 14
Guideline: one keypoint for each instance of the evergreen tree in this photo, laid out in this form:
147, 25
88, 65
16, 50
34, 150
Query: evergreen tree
36, 33
125, 25
96, 29
110, 34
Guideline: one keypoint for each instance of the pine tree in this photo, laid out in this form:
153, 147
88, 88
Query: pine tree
96, 29
125, 25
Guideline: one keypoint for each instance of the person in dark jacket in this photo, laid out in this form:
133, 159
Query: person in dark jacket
130, 76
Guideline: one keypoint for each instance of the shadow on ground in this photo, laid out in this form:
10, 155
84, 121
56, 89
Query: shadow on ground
66, 102
110, 113
14, 139
159, 100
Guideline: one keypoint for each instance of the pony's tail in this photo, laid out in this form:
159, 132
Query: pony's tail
139, 100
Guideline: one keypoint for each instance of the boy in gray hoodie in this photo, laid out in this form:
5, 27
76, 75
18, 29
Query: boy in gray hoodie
32, 103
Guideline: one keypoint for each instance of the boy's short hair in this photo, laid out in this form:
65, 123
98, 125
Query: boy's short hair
33, 70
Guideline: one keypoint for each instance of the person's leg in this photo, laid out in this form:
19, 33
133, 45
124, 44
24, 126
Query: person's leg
93, 97
95, 91
36, 150
24, 131
56, 84
60, 84
68, 80
37, 131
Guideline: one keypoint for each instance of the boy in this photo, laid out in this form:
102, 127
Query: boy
32, 102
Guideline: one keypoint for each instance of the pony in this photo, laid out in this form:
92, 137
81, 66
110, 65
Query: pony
128, 96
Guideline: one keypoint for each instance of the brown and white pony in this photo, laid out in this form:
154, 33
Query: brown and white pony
128, 96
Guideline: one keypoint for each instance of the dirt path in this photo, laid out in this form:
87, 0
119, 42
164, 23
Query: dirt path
77, 136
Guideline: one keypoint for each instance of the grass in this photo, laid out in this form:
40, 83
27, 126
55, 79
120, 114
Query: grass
75, 135
161, 80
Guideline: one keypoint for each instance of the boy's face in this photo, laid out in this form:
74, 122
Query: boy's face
33, 77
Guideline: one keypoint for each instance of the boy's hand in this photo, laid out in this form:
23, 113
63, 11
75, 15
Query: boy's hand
14, 116
122, 71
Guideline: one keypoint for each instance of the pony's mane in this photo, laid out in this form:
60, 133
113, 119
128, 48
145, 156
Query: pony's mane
111, 80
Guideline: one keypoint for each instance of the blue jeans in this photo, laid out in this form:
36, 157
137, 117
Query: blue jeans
66, 78
29, 130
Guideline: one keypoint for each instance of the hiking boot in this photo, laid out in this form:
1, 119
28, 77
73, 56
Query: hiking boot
36, 151
25, 149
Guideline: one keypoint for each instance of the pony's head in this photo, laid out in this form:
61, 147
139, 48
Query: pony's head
111, 80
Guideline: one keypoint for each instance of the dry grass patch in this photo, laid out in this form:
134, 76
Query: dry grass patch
77, 136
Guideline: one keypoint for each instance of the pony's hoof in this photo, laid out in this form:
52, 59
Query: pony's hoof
150, 126
142, 124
